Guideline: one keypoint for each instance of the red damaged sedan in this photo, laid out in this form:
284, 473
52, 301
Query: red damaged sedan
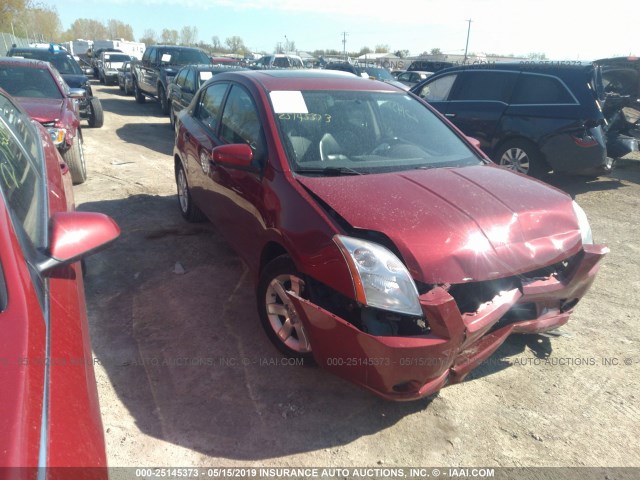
49, 413
382, 242
43, 93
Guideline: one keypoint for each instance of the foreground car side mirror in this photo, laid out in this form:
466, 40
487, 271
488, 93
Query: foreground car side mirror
237, 155
74, 235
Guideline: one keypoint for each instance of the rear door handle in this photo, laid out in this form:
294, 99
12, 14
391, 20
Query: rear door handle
449, 115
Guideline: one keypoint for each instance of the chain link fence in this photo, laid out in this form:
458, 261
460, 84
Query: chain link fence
7, 41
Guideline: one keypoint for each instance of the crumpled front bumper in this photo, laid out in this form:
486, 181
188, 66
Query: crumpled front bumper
408, 368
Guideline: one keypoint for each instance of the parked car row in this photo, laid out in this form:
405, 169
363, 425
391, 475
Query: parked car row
49, 410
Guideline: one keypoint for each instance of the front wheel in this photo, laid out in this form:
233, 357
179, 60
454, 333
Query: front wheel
96, 114
523, 157
74, 158
140, 98
190, 212
278, 315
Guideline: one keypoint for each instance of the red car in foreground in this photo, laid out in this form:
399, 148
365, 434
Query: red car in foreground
44, 94
382, 242
49, 413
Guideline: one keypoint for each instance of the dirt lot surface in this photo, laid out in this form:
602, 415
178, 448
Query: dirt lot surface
187, 377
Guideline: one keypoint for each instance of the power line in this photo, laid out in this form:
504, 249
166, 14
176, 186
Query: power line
344, 44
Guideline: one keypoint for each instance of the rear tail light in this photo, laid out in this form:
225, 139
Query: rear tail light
585, 141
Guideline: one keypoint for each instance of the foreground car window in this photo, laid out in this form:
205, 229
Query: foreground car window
28, 82
365, 132
20, 174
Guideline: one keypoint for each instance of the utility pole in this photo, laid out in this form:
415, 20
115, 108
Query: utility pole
344, 45
467, 45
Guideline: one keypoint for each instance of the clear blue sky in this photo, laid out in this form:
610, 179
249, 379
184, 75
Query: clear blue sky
562, 29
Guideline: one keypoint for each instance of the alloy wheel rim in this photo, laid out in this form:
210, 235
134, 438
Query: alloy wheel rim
516, 159
183, 194
282, 314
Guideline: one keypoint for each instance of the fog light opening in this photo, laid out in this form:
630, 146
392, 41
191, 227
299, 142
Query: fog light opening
410, 386
568, 304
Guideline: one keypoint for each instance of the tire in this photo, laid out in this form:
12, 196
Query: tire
172, 118
164, 101
190, 212
140, 98
277, 315
521, 156
103, 80
74, 158
126, 89
96, 114
120, 86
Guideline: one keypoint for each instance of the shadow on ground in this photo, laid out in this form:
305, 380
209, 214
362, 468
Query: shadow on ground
187, 356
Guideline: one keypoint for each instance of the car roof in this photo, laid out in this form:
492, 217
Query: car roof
24, 62
551, 68
272, 80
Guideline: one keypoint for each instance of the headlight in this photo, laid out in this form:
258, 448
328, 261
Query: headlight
583, 223
57, 135
381, 280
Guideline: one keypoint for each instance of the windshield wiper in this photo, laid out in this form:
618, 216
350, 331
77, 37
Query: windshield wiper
330, 171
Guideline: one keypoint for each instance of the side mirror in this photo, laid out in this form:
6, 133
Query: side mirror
88, 71
74, 235
77, 92
474, 141
237, 155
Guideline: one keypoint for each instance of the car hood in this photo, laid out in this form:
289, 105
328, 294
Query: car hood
75, 81
42, 110
453, 225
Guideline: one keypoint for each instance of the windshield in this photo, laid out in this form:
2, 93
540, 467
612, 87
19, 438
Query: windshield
364, 132
28, 82
184, 57
116, 57
378, 73
63, 62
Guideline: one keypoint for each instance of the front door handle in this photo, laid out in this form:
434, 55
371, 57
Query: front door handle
450, 115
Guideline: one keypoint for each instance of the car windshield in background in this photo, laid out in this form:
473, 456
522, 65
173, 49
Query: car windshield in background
116, 57
62, 62
184, 57
339, 132
28, 82
378, 73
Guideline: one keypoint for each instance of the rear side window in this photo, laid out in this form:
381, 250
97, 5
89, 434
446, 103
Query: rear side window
181, 76
190, 80
539, 90
485, 86
438, 90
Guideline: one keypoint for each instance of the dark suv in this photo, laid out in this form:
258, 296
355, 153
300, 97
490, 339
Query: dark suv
370, 71
529, 117
89, 106
159, 64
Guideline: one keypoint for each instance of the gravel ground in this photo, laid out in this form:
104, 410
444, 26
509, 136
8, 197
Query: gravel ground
187, 378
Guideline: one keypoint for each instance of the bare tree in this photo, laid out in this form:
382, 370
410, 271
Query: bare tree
87, 29
169, 37
235, 44
435, 51
149, 37
383, 48
118, 29
188, 35
10, 10
45, 22
215, 43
